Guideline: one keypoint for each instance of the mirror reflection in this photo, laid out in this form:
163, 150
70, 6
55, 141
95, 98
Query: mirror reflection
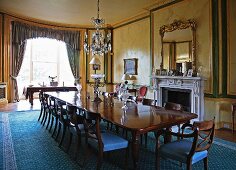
178, 47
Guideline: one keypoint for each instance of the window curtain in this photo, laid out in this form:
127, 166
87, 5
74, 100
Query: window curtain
22, 31
73, 56
19, 51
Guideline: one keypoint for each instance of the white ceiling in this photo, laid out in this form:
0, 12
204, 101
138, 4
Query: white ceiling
77, 12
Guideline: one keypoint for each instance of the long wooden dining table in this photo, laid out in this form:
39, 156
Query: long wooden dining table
138, 118
31, 90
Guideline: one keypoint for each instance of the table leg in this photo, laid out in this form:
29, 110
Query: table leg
31, 98
135, 148
167, 136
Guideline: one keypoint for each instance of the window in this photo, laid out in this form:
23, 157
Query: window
45, 57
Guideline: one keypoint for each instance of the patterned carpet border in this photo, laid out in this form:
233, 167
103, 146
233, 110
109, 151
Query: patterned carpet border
9, 159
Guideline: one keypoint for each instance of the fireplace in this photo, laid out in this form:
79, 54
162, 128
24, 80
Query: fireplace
181, 96
3, 94
187, 91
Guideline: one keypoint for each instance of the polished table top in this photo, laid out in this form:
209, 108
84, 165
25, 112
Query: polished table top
137, 117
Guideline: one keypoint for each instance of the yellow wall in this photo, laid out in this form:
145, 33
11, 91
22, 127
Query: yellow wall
231, 47
1, 22
125, 43
132, 41
198, 10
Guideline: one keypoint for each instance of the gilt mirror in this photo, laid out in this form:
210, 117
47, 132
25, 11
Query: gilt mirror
178, 46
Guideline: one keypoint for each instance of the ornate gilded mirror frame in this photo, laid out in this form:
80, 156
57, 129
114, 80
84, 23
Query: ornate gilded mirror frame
179, 25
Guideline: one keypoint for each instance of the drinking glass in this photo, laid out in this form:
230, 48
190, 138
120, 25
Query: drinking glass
125, 95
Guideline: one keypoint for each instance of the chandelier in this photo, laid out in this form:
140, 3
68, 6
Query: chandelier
100, 44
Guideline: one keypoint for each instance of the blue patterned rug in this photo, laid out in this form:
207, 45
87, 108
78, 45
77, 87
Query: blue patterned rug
26, 144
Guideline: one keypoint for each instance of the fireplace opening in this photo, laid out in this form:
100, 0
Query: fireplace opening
181, 96
2, 91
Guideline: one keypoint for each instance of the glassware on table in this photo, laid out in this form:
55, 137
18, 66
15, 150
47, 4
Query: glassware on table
125, 95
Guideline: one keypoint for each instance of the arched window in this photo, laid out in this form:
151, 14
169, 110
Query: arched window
45, 57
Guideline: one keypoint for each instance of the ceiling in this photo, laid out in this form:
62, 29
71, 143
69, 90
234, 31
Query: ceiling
77, 12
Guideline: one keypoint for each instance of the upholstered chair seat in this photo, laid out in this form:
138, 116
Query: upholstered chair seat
179, 150
110, 142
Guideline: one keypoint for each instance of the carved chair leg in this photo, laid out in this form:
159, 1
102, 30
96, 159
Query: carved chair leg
70, 141
52, 121
58, 132
63, 135
205, 163
46, 117
44, 114
41, 112
55, 127
189, 166
100, 159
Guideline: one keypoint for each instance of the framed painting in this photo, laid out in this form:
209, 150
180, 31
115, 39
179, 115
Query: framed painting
131, 66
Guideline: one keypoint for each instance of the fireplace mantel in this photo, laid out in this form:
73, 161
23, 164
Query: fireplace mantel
194, 84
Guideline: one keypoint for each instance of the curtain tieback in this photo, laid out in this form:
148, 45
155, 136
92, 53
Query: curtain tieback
13, 77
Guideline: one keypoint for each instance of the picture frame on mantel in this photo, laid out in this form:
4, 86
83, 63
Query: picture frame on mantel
131, 66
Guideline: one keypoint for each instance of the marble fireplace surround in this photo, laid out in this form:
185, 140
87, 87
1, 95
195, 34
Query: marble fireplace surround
193, 84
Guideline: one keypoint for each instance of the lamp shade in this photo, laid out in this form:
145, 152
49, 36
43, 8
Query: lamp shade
125, 77
95, 60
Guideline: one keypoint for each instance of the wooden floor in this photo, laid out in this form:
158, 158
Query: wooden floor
225, 134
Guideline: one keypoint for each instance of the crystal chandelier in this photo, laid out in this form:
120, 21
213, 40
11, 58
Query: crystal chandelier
99, 44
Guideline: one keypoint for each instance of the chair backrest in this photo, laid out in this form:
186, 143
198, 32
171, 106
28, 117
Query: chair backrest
92, 127
149, 102
173, 106
142, 91
43, 98
60, 110
75, 115
206, 131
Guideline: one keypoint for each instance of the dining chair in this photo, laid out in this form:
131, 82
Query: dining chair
46, 115
54, 115
75, 126
141, 93
174, 106
42, 100
63, 119
102, 141
186, 150
147, 102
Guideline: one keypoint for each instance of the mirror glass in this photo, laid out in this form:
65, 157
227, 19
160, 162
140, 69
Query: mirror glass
178, 46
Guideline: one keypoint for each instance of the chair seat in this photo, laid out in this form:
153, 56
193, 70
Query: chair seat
179, 151
110, 142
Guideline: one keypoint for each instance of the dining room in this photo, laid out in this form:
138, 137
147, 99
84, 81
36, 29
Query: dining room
123, 76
